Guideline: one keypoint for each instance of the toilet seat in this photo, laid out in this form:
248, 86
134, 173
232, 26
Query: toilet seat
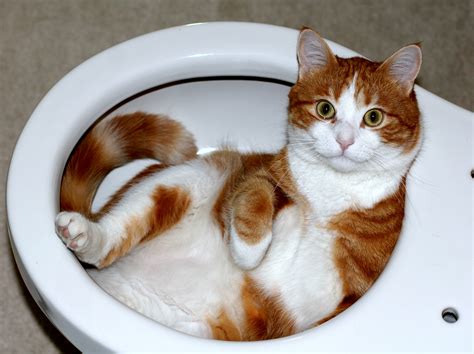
431, 268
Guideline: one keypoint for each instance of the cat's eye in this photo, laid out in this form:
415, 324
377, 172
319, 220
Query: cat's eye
325, 109
373, 117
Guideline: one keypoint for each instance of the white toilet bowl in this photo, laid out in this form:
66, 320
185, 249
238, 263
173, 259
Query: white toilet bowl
247, 70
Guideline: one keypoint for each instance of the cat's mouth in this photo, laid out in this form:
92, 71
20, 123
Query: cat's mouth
342, 163
345, 161
340, 155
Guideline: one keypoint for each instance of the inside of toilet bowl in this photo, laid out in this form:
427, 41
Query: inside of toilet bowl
248, 113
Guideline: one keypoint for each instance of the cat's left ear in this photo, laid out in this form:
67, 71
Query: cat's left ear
403, 66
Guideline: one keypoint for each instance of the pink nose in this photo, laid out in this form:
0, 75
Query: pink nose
345, 143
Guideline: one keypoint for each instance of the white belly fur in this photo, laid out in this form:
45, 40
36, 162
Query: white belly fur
186, 276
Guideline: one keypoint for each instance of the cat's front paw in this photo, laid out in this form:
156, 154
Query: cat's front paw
248, 255
73, 229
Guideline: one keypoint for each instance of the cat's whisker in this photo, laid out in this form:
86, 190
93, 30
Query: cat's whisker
403, 182
301, 144
423, 183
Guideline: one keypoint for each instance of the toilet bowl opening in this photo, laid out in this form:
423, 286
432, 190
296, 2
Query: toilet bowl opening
230, 103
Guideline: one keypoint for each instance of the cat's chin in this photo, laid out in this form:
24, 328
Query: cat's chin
342, 164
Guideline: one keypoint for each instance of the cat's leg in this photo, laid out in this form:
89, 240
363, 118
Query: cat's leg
136, 213
252, 210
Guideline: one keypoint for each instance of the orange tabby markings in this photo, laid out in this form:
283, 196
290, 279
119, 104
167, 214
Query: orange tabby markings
253, 209
236, 166
80, 181
113, 143
170, 205
264, 182
223, 328
265, 316
154, 136
365, 241
117, 196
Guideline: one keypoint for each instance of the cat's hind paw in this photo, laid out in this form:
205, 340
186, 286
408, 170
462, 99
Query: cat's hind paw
82, 236
73, 229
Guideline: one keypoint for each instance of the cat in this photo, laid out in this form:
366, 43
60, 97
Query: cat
253, 246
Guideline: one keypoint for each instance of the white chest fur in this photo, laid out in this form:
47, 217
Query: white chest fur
330, 192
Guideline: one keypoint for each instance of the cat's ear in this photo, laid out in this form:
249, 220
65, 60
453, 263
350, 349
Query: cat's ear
313, 52
403, 66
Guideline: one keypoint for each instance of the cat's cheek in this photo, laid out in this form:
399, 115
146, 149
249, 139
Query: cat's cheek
364, 152
366, 147
325, 142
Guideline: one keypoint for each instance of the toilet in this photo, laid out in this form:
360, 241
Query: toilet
228, 82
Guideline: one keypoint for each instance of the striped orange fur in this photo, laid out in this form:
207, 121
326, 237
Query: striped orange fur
170, 205
113, 143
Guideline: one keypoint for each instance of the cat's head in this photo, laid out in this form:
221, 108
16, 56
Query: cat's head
354, 114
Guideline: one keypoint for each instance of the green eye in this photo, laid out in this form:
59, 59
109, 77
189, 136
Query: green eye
373, 118
325, 110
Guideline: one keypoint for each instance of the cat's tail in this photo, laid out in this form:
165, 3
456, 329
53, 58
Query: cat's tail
114, 142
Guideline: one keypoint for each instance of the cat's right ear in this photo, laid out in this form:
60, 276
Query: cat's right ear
313, 52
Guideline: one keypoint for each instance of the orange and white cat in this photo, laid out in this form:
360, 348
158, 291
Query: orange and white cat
254, 246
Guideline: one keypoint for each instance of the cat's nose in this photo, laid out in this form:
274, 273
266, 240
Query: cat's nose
344, 143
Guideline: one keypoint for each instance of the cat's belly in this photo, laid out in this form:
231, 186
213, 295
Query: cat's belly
299, 268
184, 276
179, 279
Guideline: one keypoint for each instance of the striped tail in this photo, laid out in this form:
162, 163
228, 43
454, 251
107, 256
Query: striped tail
113, 143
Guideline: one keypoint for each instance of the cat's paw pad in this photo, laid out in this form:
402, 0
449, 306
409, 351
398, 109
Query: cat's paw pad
73, 229
248, 255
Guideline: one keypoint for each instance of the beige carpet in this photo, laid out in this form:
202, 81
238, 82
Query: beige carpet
40, 41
